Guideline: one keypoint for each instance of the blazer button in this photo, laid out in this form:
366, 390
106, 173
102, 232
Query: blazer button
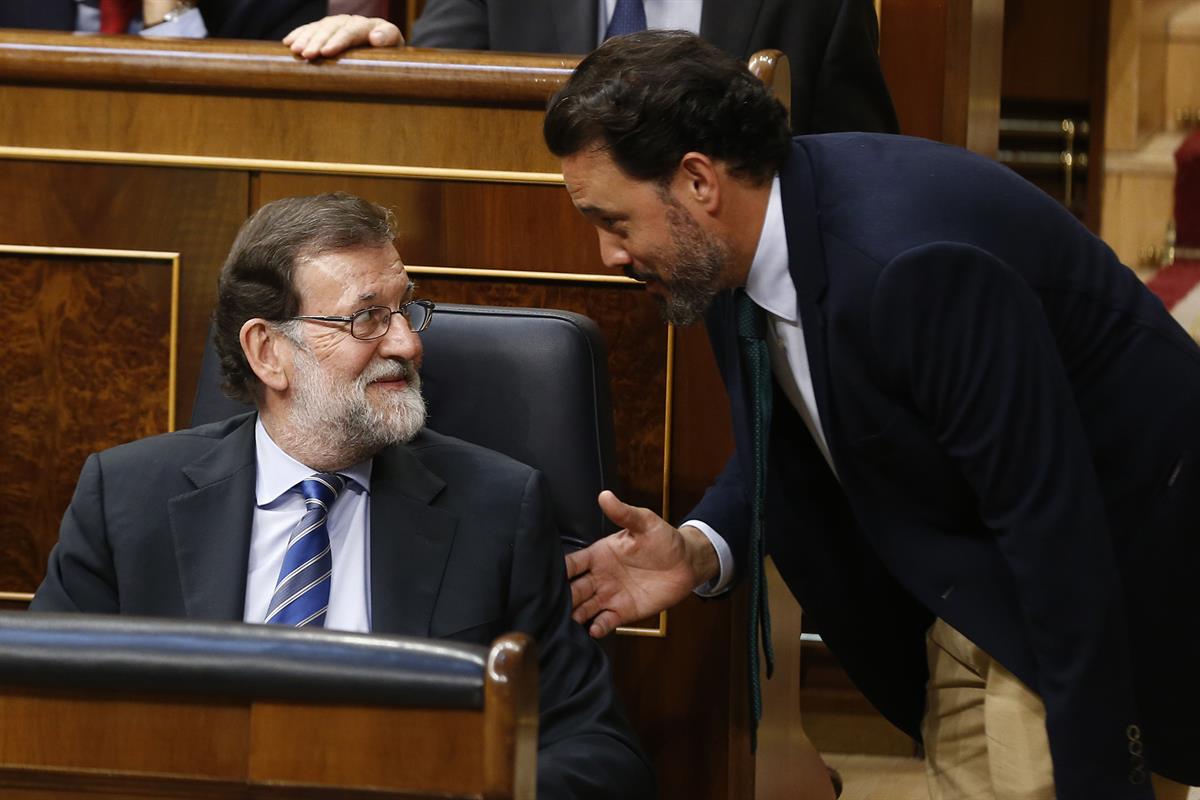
1137, 763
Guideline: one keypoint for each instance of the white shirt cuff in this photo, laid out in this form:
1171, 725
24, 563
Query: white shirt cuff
188, 25
724, 555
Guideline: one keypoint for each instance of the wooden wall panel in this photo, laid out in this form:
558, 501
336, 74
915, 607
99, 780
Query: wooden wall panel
472, 224
332, 132
87, 366
941, 59
129, 734
1049, 49
192, 212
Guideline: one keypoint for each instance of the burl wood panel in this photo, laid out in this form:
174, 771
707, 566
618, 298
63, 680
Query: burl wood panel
86, 366
190, 211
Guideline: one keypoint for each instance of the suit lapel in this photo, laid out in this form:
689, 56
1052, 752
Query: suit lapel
806, 262
730, 23
211, 527
410, 543
575, 25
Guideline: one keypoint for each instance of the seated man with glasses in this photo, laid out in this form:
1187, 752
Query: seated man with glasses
332, 505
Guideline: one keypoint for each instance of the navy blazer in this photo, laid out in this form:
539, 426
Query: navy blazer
1013, 420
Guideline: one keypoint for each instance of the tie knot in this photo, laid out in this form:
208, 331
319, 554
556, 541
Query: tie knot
751, 319
322, 487
629, 16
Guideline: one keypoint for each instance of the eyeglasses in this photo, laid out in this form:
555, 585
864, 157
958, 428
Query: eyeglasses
371, 323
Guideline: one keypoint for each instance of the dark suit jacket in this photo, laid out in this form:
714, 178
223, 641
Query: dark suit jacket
832, 45
462, 547
1015, 425
225, 19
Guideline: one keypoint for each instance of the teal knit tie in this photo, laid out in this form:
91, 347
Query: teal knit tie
752, 329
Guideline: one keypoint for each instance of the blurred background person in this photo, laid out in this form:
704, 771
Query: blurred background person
832, 45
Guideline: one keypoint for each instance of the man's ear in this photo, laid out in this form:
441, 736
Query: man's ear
268, 352
697, 181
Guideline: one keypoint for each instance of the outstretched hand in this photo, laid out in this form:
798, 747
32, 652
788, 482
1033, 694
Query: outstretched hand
638, 571
334, 35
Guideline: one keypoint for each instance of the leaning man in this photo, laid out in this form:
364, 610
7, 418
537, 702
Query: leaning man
965, 433
425, 535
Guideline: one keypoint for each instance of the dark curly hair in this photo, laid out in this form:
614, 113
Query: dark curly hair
258, 278
650, 97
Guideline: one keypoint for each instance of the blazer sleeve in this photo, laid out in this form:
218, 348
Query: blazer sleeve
453, 24
964, 339
725, 508
586, 748
833, 49
80, 575
849, 93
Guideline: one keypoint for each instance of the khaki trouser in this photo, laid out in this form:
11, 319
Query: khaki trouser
985, 731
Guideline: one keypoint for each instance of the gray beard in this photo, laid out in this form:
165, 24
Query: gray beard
335, 423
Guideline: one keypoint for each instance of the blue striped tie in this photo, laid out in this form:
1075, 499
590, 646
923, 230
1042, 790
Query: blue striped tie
628, 17
752, 329
302, 592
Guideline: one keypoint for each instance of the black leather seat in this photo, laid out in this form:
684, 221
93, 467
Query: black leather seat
232, 659
530, 383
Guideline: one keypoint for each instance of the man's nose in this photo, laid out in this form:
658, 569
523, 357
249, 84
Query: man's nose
400, 341
612, 251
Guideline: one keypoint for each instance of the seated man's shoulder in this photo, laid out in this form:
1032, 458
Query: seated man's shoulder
177, 447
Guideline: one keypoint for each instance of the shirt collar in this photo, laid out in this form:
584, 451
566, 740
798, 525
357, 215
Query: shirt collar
769, 282
278, 473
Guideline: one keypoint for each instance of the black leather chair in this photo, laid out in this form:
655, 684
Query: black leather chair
530, 383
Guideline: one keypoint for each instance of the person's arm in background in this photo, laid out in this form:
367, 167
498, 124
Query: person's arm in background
452, 24
848, 92
170, 18
833, 51
335, 34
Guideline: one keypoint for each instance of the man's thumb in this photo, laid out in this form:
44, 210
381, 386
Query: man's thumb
620, 513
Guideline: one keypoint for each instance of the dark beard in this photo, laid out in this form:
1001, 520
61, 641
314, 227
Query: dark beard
695, 270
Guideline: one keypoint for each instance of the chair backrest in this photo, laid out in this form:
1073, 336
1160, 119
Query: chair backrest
172, 708
530, 383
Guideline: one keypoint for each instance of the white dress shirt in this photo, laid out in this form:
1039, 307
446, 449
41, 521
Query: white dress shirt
278, 510
770, 285
660, 14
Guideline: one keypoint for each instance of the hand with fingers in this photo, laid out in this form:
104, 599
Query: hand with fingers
335, 35
638, 571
